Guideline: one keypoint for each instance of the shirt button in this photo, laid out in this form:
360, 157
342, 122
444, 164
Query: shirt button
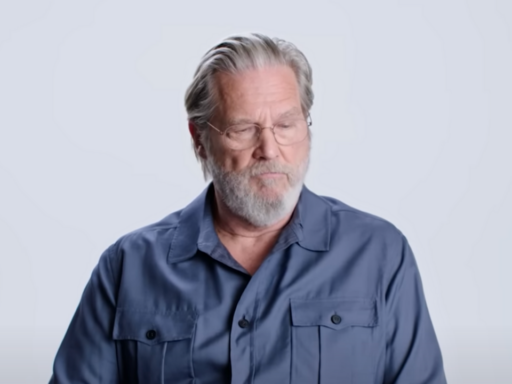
151, 334
243, 323
336, 319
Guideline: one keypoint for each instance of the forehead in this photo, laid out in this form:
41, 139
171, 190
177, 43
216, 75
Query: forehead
254, 92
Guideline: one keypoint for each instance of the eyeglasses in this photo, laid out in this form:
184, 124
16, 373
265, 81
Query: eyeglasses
245, 135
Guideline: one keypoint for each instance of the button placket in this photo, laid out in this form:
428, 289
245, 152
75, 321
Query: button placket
242, 337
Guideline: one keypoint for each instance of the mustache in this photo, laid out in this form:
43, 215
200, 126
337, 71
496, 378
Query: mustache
265, 167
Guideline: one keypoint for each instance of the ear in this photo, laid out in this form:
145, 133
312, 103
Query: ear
195, 137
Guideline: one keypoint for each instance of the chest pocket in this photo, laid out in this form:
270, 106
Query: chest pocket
156, 346
334, 341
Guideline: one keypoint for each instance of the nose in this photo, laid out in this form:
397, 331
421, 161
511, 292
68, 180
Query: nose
267, 147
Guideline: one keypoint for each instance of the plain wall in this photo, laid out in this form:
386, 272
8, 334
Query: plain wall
412, 122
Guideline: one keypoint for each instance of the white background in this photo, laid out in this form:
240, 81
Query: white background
412, 122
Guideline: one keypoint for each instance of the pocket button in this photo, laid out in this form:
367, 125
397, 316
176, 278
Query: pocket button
151, 334
336, 319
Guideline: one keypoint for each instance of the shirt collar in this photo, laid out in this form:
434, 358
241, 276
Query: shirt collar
191, 227
313, 215
311, 221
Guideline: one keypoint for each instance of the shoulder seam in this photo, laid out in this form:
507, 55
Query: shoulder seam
362, 213
109, 256
148, 228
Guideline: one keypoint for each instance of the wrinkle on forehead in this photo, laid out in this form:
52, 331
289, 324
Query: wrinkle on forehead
293, 112
257, 93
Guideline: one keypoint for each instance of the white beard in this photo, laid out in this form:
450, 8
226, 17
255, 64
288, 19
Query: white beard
242, 200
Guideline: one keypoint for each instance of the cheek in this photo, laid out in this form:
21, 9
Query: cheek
296, 154
231, 160
219, 153
239, 161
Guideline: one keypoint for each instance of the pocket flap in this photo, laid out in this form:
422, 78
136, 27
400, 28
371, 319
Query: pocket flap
334, 313
152, 327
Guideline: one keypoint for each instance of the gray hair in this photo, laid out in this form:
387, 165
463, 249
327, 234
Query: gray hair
233, 55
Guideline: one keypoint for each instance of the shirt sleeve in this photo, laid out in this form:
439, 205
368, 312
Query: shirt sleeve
87, 353
413, 355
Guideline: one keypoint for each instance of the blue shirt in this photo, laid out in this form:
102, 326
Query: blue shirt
338, 300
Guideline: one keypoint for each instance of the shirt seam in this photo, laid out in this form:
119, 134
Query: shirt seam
362, 213
109, 266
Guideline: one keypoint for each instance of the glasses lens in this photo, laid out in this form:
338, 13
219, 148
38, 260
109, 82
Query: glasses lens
286, 132
291, 131
242, 136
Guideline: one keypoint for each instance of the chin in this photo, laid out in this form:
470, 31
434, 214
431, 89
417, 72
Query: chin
271, 192
271, 185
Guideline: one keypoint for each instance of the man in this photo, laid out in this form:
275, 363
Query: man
258, 280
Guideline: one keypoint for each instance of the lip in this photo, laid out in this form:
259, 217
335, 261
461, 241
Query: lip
271, 174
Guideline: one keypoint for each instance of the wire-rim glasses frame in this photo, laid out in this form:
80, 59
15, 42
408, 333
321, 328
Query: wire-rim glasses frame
230, 143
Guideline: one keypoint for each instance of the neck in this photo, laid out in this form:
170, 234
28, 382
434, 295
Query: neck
235, 226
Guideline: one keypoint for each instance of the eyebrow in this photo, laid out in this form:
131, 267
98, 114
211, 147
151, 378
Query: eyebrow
243, 120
